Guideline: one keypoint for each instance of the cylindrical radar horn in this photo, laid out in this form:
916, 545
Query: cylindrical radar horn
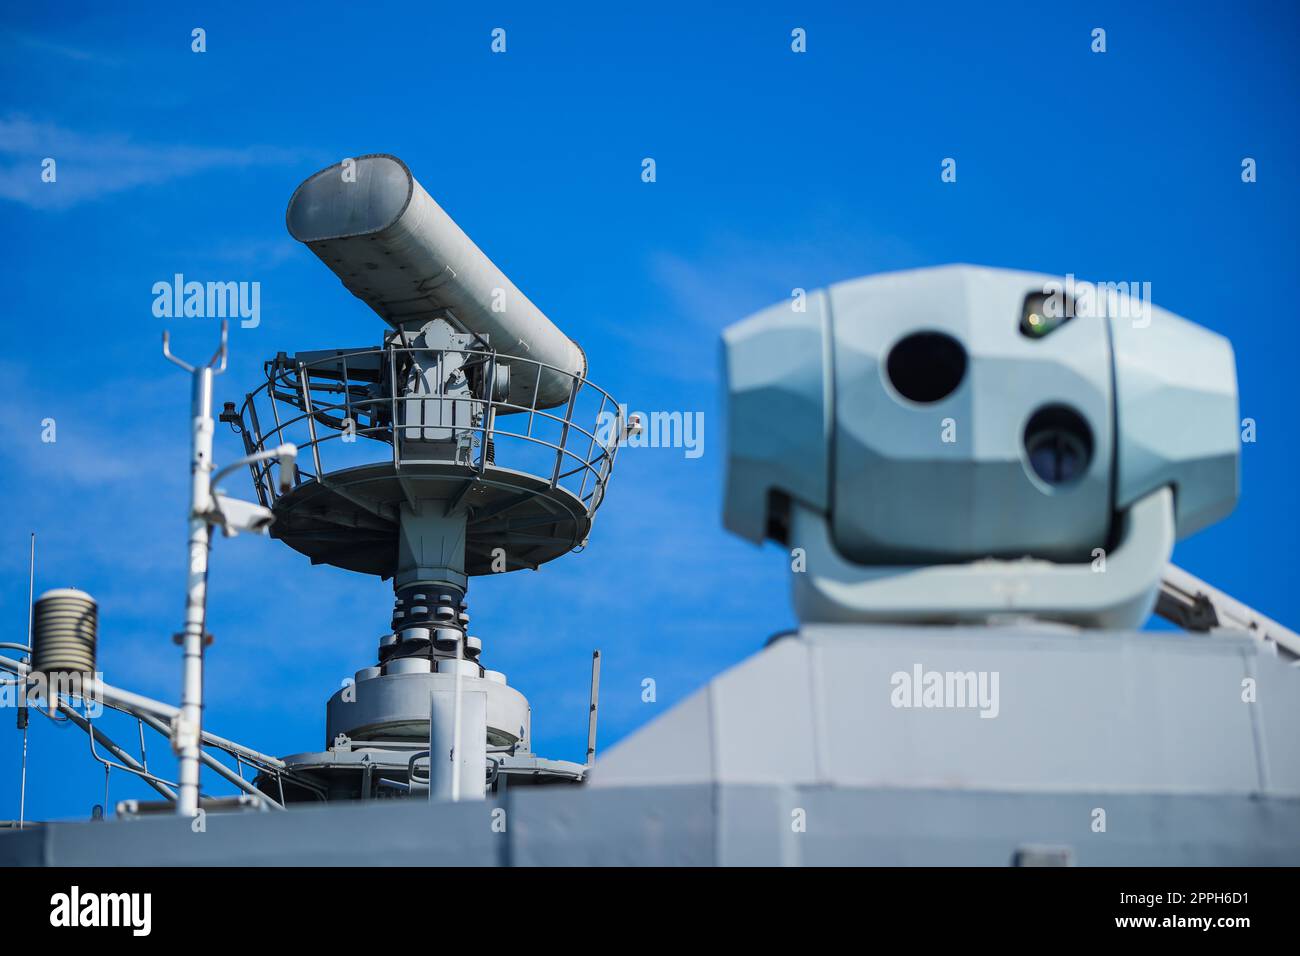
394, 248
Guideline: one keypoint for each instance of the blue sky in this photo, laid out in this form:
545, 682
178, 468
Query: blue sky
774, 170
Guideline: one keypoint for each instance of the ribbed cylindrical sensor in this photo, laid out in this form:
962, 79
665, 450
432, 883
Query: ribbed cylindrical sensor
65, 627
374, 225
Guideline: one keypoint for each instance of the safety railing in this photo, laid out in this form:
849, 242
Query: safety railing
335, 406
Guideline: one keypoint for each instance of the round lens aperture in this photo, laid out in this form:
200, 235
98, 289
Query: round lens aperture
1058, 445
926, 367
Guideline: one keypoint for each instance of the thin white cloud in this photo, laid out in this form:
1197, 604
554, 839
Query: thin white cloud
91, 166
266, 253
65, 51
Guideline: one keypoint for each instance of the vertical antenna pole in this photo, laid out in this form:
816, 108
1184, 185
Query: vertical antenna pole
188, 728
22, 700
190, 722
595, 706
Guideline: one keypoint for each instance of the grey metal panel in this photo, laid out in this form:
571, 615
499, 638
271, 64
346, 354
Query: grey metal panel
755, 825
680, 751
1098, 711
391, 834
852, 827
701, 825
747, 721
1092, 711
1276, 715
776, 365
641, 826
1176, 401
24, 847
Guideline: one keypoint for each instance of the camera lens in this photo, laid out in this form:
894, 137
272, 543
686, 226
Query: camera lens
1058, 445
926, 367
1043, 314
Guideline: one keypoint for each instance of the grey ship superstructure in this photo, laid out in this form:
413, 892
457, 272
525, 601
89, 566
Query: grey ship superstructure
979, 475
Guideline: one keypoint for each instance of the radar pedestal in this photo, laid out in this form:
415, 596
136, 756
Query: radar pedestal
440, 508
468, 442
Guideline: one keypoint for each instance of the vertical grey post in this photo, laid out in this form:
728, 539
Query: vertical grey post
189, 724
457, 753
595, 706
188, 728
457, 728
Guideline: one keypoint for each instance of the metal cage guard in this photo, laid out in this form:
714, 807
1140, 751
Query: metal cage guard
354, 393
